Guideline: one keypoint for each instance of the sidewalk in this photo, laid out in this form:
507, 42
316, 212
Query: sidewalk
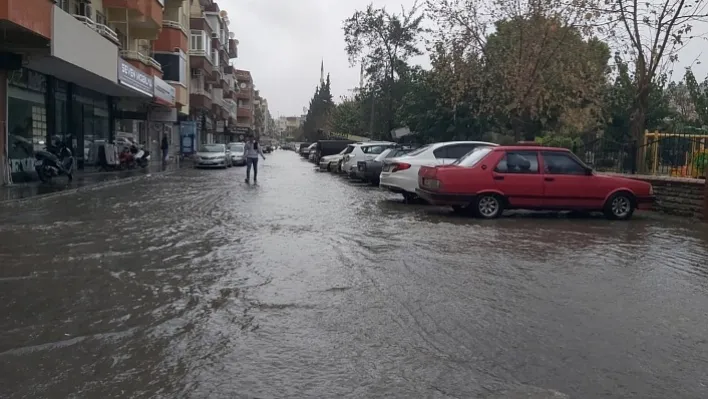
81, 179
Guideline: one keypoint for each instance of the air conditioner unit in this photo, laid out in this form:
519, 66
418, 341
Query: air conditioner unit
88, 11
214, 35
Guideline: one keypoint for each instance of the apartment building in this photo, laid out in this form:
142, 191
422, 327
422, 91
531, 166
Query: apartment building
245, 95
213, 104
89, 71
79, 71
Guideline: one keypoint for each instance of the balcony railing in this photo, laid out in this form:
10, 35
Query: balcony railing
101, 29
174, 25
138, 56
199, 89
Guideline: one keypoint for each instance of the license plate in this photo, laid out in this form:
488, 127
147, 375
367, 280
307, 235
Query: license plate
362, 167
387, 168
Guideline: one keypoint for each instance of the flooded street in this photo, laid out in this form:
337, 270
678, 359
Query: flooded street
196, 285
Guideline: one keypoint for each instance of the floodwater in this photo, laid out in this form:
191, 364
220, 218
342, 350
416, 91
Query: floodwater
196, 285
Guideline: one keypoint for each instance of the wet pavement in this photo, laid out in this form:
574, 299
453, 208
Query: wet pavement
82, 179
195, 285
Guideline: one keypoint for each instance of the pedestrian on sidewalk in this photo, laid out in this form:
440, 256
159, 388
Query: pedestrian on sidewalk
165, 148
252, 151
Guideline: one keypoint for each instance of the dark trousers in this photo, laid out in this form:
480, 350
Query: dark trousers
251, 162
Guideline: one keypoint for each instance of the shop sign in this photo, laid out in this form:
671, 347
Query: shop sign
163, 92
220, 126
134, 78
163, 114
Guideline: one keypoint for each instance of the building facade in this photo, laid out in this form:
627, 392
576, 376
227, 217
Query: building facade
87, 72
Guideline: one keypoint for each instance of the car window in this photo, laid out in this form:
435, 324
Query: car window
473, 157
454, 151
419, 150
348, 150
385, 154
558, 163
374, 149
518, 162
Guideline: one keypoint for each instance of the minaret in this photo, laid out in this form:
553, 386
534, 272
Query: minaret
322, 77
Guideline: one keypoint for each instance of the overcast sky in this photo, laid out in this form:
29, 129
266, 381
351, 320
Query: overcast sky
283, 41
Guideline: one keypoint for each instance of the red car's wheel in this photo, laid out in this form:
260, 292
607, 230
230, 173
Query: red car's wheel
489, 206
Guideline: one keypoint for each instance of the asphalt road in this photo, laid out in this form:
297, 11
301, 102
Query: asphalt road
196, 285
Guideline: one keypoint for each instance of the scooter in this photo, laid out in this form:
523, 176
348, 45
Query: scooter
53, 162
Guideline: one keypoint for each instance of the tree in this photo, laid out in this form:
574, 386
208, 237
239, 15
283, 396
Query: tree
651, 34
535, 71
698, 93
384, 42
319, 113
347, 117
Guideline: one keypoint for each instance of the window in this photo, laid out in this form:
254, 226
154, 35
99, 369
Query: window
83, 8
198, 41
561, 163
454, 151
349, 149
518, 162
473, 157
374, 149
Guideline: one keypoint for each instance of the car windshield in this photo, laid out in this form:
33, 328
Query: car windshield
473, 157
419, 151
236, 147
213, 148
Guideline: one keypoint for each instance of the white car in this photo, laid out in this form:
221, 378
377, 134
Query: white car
237, 153
400, 175
363, 152
212, 156
330, 162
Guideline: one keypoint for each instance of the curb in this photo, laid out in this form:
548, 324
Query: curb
89, 187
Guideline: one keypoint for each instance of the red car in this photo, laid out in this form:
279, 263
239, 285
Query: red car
489, 180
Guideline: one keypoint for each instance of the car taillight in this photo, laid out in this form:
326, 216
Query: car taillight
400, 166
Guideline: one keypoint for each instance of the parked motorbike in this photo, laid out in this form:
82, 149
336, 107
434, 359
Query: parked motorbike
132, 157
53, 162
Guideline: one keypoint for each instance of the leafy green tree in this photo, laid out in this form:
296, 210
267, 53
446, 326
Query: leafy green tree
384, 42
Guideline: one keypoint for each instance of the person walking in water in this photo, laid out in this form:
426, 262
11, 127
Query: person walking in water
252, 151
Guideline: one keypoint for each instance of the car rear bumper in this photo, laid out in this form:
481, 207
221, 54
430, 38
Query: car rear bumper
397, 182
442, 199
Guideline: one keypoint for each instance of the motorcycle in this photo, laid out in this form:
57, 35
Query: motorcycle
53, 162
132, 156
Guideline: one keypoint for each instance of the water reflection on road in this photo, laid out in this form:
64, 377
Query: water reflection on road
195, 285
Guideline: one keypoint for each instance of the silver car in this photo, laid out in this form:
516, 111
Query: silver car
212, 156
238, 156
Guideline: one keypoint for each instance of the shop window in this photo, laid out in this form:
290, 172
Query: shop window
39, 125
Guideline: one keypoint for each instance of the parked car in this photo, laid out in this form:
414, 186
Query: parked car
238, 156
331, 162
212, 156
362, 152
370, 169
400, 175
489, 180
330, 147
304, 149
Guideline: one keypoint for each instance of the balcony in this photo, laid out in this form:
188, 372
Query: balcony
101, 29
173, 35
244, 112
200, 54
244, 94
32, 17
141, 15
143, 62
199, 94
233, 48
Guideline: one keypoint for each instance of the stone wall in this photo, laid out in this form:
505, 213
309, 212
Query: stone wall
678, 196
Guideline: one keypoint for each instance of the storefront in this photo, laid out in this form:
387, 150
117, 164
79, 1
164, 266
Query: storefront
163, 117
132, 113
27, 129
